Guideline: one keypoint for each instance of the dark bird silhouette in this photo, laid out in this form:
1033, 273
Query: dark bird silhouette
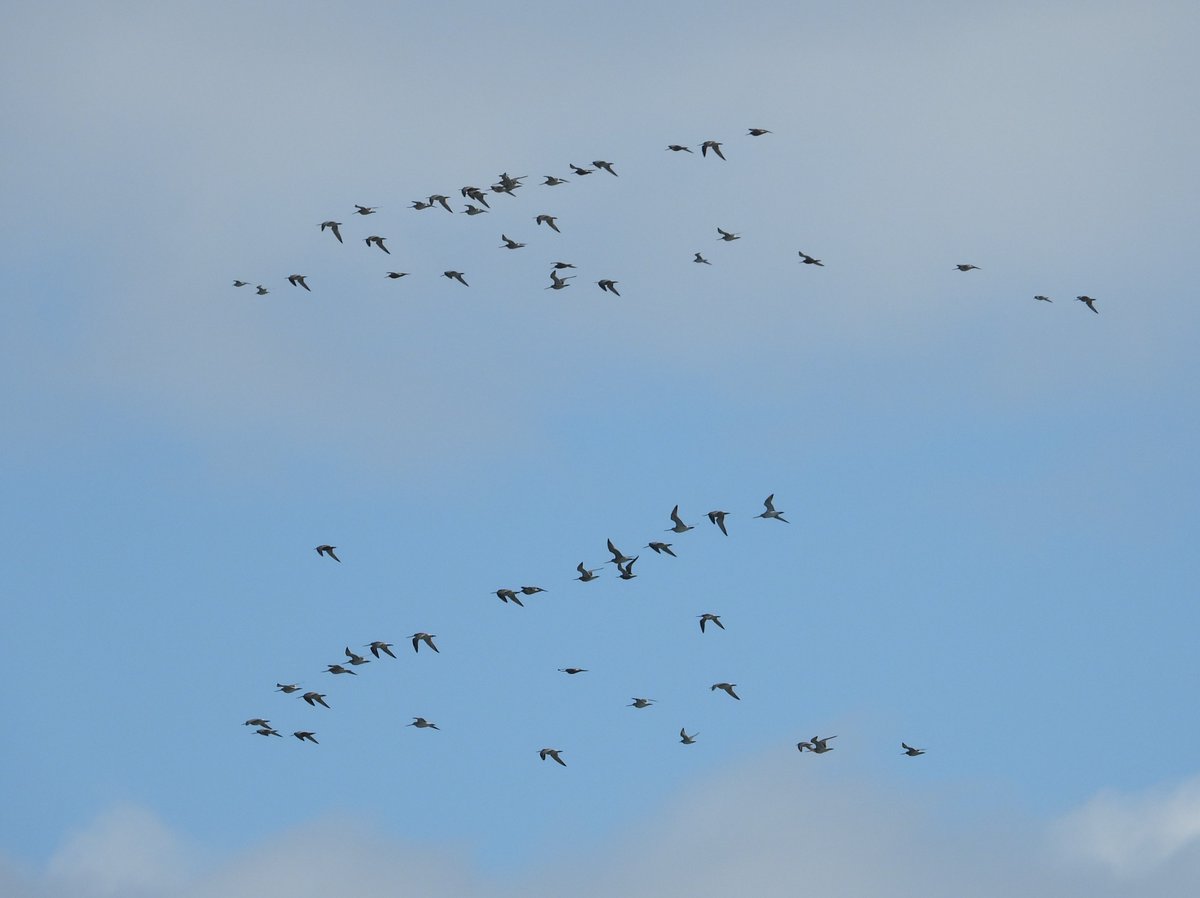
607, 166
660, 548
1089, 302
679, 526
572, 670
1041, 298
713, 145
531, 590
727, 236
548, 220
758, 132
396, 275
608, 286
422, 724
297, 280
287, 688
380, 646
627, 569
618, 557
333, 226
968, 267
509, 243
718, 518
910, 751
328, 550
427, 638
552, 753
305, 735
314, 699
584, 574
261, 290
727, 688
338, 669
809, 260
456, 276
699, 258
769, 504
685, 738
509, 595
364, 210
678, 148
715, 618
356, 659
579, 170
376, 240
241, 283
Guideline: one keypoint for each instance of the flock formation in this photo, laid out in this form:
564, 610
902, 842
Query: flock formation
624, 565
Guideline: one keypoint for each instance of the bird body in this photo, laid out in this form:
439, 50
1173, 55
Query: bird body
508, 595
572, 670
679, 526
427, 638
356, 659
962, 267
376, 240
627, 569
380, 646
714, 618
769, 504
422, 724
713, 145
306, 736
328, 550
314, 699
333, 226
607, 166
678, 148
584, 574
287, 688
550, 221
718, 518
364, 210
910, 751
338, 669
809, 260
727, 688
641, 703
727, 236
685, 738
509, 243
701, 260
660, 548
456, 276
1089, 302
608, 286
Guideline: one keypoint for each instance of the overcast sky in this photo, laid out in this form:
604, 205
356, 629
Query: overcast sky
991, 499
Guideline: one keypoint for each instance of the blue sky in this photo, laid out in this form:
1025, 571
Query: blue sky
991, 499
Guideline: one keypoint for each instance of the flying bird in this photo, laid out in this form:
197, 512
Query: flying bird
619, 557
961, 267
548, 220
727, 236
314, 699
257, 722
718, 518
422, 724
444, 200
627, 569
699, 258
380, 646
815, 745
552, 753
685, 738
297, 280
1041, 298
716, 619
456, 276
509, 243
364, 210
420, 205
396, 275
267, 731
581, 171
561, 265
609, 286
328, 550
607, 166
241, 283
678, 148
287, 688
679, 527
659, 548
758, 132
725, 687
472, 209
333, 226
356, 659
305, 735
557, 282
376, 240
338, 669
1089, 302
531, 590
769, 503
552, 181
910, 751
427, 638
584, 574
261, 290
508, 595
713, 145
572, 670
641, 703
809, 260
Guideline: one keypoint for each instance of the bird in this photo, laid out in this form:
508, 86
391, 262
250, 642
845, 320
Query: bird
678, 148
699, 258
685, 738
333, 226
314, 699
364, 210
531, 590
456, 276
572, 670
1041, 298
627, 569
241, 283
338, 669
552, 753
679, 527
561, 265
758, 132
427, 638
377, 241
303, 735
472, 209
508, 595
379, 646
287, 688
297, 280
727, 236
267, 731
769, 503
477, 195
420, 205
815, 745
910, 751
396, 275
619, 557
659, 548
726, 687
962, 267
584, 574
716, 619
356, 659
557, 282
552, 181
1089, 302
257, 722
422, 724
509, 243
809, 260
548, 220
713, 145
609, 286
718, 518
261, 290
328, 550
444, 200
579, 170
607, 166
641, 703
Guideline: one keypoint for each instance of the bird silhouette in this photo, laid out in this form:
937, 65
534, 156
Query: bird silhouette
727, 688
328, 550
714, 618
1089, 302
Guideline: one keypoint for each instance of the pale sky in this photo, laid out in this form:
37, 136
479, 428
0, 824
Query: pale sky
991, 499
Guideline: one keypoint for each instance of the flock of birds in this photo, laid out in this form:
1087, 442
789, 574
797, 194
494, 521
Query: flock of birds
624, 566
507, 184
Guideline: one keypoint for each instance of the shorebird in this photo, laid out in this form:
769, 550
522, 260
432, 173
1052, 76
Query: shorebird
477, 195
809, 260
297, 280
685, 738
572, 670
548, 220
380, 646
356, 659
556, 282
531, 590
715, 618
608, 286
472, 209
287, 688
338, 669
579, 170
659, 548
333, 226
815, 745
257, 722
727, 688
769, 503
396, 275
679, 527
678, 148
509, 243
261, 290
727, 236
627, 570
910, 751
713, 145
699, 258
1041, 298
456, 276
508, 595
267, 731
758, 132
376, 240
584, 574
444, 200
241, 283
641, 703
422, 724
961, 267
607, 166
420, 205
718, 518
552, 181
364, 210
314, 699
328, 550
561, 265
619, 557
1089, 302
552, 753
427, 638
303, 735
